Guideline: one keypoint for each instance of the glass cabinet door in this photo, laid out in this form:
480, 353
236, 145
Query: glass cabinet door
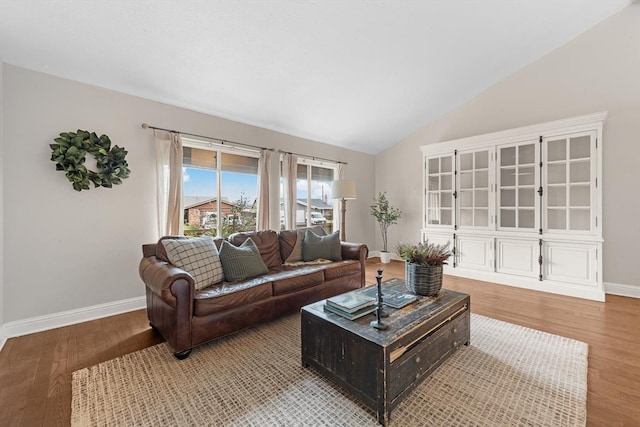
517, 186
569, 186
473, 189
439, 200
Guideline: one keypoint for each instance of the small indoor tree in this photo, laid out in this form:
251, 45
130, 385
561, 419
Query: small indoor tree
240, 218
386, 215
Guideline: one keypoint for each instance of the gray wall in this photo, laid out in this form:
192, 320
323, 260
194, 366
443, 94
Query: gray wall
597, 71
2, 300
66, 250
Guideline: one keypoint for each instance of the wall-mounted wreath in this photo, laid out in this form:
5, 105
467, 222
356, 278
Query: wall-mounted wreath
69, 154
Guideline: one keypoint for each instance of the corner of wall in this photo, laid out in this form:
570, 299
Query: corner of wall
2, 329
3, 336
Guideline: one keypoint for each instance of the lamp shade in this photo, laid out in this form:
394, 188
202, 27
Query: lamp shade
343, 189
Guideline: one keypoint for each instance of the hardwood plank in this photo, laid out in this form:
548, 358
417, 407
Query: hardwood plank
59, 388
16, 389
35, 370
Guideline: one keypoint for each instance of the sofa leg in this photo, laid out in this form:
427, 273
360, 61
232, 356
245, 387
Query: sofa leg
181, 355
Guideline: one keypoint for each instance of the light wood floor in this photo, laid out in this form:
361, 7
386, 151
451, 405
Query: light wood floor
35, 370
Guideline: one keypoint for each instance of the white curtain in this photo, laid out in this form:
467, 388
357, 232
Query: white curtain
337, 217
434, 208
263, 190
169, 181
289, 174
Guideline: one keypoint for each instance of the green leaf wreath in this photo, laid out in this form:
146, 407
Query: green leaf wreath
69, 154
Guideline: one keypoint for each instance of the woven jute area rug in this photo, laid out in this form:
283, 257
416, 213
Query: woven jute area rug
508, 376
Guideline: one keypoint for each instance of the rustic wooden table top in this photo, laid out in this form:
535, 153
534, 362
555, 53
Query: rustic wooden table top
400, 321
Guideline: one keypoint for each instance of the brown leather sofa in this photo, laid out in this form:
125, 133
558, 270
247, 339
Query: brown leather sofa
187, 317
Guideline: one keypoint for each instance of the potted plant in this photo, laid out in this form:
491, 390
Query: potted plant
386, 215
423, 265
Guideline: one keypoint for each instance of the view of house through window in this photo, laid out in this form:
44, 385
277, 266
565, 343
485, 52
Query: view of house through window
313, 193
220, 191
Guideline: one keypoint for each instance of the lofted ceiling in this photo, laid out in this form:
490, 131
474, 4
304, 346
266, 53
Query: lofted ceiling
360, 74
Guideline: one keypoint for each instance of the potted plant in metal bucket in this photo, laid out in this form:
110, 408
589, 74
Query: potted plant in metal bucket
423, 265
386, 215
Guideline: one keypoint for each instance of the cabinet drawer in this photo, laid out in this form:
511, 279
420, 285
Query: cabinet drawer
427, 354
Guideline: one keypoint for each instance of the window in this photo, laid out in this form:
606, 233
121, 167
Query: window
220, 189
314, 202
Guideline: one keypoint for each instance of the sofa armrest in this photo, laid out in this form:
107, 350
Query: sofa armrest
174, 285
355, 251
359, 252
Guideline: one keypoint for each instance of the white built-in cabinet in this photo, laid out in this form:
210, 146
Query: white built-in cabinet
521, 207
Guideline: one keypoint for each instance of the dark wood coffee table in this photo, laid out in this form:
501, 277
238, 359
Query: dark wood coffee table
381, 367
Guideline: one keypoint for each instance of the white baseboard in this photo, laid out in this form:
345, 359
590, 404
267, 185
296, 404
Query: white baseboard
64, 318
550, 286
376, 254
3, 336
622, 289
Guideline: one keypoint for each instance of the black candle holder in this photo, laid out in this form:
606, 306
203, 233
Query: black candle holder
383, 312
378, 323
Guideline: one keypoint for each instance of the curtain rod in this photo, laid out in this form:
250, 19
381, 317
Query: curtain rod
222, 141
312, 157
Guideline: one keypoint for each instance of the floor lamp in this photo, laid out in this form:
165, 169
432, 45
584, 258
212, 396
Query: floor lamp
343, 190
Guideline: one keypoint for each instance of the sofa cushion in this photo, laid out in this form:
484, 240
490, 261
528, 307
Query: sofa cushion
327, 247
340, 269
295, 279
198, 256
267, 243
296, 250
241, 262
225, 296
307, 263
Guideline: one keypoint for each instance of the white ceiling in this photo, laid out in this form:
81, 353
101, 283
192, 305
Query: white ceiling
360, 74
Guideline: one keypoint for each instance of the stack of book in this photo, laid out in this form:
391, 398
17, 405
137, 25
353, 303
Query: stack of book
351, 305
391, 298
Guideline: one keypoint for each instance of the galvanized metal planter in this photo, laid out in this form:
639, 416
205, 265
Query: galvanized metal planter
423, 279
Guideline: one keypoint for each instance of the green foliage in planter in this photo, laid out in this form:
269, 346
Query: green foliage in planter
424, 253
69, 154
385, 214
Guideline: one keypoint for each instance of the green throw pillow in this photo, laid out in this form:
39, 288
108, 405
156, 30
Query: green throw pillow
198, 257
241, 262
325, 247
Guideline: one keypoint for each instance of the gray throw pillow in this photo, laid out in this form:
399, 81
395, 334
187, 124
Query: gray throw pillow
197, 256
241, 262
325, 247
